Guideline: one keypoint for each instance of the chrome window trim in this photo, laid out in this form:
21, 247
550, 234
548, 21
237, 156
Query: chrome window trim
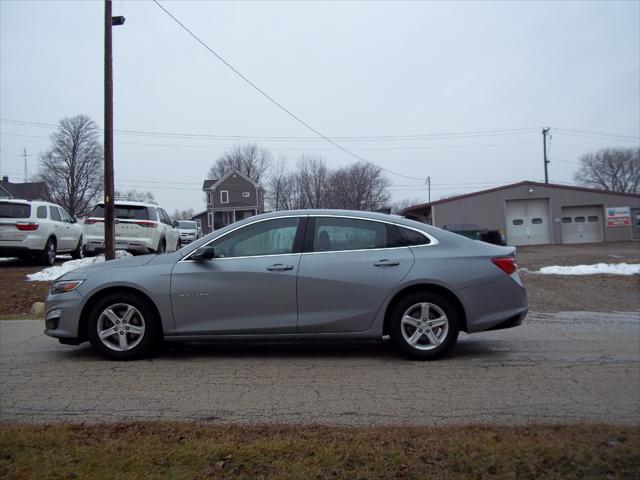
432, 240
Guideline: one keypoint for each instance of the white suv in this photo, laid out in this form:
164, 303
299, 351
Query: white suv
140, 228
38, 229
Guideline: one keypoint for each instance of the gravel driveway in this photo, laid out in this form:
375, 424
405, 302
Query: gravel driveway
555, 368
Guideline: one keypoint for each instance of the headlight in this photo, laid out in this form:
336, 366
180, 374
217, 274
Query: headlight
65, 286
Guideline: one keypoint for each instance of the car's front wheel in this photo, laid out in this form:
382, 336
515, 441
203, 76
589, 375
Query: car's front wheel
123, 327
424, 326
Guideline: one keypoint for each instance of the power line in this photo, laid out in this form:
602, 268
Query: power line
602, 134
405, 137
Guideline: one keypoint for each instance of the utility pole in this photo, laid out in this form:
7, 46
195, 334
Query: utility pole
24, 154
428, 182
109, 211
545, 131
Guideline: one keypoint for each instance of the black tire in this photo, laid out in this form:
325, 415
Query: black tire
48, 256
425, 349
78, 253
162, 247
150, 340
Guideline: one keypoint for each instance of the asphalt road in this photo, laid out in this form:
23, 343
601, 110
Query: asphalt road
555, 368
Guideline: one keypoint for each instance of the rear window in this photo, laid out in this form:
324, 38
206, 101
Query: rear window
124, 212
183, 224
14, 210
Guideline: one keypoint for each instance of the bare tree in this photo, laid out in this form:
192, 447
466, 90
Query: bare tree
136, 195
281, 187
614, 169
359, 186
73, 166
312, 180
184, 214
247, 158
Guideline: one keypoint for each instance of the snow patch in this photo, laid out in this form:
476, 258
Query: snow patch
598, 268
51, 273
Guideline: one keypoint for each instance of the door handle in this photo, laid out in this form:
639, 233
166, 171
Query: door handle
386, 263
279, 267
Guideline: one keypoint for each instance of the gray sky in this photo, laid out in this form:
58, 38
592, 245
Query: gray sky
349, 69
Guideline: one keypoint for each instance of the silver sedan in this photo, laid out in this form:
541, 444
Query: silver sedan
308, 274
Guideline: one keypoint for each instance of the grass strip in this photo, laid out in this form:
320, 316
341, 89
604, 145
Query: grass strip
172, 450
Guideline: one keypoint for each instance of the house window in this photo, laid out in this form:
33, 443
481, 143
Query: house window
246, 194
536, 221
593, 218
518, 221
224, 196
208, 198
210, 219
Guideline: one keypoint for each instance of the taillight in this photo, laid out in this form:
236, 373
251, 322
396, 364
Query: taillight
91, 221
27, 227
146, 224
507, 264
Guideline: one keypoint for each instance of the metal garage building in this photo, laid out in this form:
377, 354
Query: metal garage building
532, 213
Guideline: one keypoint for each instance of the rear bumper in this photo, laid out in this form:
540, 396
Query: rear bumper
13, 248
96, 245
496, 303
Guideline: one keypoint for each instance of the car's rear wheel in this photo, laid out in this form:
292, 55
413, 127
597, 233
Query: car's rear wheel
48, 256
123, 327
162, 247
424, 326
78, 253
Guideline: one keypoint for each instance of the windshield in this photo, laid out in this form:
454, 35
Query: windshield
14, 210
125, 212
187, 225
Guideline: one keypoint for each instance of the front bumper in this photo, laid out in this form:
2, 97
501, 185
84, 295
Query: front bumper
62, 317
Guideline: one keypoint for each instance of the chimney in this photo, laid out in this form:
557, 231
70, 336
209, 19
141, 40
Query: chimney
5, 178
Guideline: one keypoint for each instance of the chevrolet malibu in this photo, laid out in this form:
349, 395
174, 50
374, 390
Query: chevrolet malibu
299, 275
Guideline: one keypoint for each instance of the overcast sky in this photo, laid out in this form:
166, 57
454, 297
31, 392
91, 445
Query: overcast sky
349, 69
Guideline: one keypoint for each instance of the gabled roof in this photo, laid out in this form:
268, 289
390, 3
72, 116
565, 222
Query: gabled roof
207, 184
28, 191
213, 184
422, 206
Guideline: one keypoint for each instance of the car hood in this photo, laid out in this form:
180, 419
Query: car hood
136, 261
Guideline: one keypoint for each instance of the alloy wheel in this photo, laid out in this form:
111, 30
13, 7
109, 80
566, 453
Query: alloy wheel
121, 327
424, 326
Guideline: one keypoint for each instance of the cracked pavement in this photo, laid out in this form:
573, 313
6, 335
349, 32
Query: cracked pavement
563, 367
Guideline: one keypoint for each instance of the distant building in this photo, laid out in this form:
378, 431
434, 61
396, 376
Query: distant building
231, 198
533, 213
24, 191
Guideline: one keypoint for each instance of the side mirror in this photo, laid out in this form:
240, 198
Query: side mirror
174, 223
203, 254
74, 220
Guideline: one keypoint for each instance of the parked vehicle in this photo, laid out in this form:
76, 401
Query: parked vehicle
305, 274
140, 228
38, 230
189, 231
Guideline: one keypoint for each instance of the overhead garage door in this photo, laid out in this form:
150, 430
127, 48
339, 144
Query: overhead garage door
528, 222
582, 224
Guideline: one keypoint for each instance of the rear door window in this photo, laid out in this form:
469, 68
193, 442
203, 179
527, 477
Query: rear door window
55, 214
42, 211
334, 234
15, 210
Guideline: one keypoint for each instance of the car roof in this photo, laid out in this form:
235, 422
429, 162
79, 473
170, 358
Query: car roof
132, 203
383, 217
